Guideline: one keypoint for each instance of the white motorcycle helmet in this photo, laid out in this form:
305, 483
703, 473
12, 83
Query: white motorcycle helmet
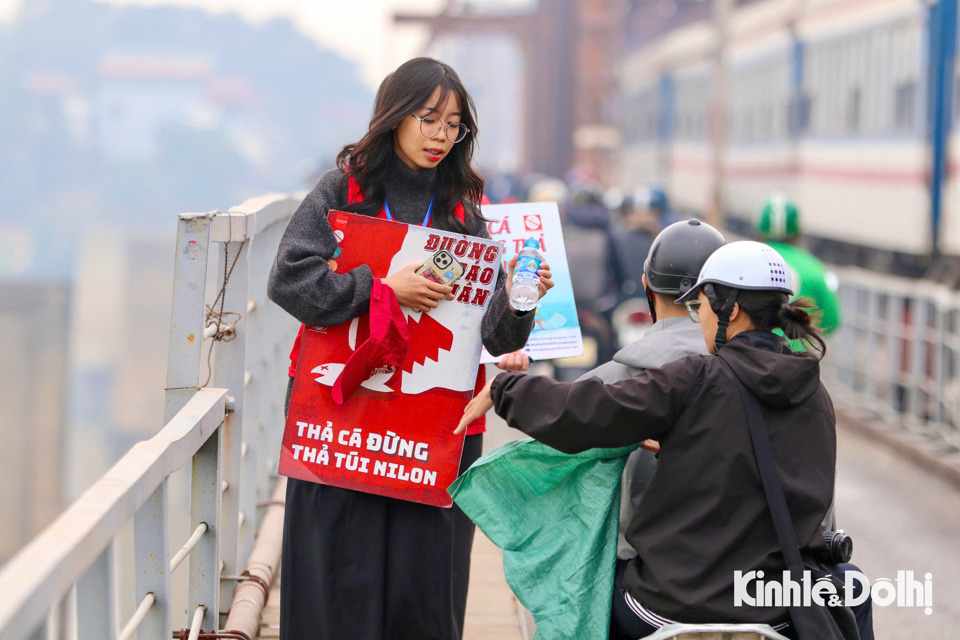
744, 265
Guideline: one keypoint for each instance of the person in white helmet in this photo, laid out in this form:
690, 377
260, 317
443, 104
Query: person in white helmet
705, 515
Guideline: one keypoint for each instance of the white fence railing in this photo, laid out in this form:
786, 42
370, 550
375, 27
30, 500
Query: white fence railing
226, 376
897, 354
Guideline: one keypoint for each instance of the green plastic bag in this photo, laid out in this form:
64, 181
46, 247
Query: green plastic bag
556, 518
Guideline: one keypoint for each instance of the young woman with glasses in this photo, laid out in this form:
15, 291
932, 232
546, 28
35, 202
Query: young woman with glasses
358, 565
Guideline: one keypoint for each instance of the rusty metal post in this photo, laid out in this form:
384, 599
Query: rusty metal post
186, 316
152, 563
229, 373
204, 590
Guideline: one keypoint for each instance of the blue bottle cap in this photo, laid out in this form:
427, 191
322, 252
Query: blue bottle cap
532, 243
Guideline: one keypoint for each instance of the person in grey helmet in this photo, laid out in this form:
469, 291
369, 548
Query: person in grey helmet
670, 270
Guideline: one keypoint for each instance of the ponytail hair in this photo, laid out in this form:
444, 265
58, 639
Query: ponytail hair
770, 310
798, 320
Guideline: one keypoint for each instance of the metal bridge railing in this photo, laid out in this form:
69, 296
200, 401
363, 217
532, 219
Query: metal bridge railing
226, 376
897, 354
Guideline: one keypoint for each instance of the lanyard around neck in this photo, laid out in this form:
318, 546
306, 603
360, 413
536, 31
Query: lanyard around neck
426, 218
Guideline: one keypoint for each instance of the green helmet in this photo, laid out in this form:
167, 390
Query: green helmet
779, 219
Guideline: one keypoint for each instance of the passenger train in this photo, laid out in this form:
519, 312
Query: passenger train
846, 106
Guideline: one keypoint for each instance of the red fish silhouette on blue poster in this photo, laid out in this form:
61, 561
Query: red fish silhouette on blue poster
393, 435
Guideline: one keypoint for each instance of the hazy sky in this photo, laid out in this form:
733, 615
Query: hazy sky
360, 29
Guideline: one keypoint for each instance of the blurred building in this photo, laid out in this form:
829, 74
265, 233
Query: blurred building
120, 328
145, 293
139, 94
16, 250
491, 66
34, 349
569, 52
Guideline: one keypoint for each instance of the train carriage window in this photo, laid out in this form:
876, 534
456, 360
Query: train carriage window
953, 89
849, 98
766, 123
885, 63
639, 115
804, 109
853, 110
781, 75
956, 96
823, 91
883, 83
799, 114
872, 81
810, 89
829, 81
831, 88
848, 111
865, 83
868, 83
905, 107
905, 116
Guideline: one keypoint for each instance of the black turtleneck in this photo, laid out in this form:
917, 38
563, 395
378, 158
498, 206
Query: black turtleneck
409, 191
303, 285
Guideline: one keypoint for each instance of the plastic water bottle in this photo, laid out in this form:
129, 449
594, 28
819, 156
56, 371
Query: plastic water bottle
526, 282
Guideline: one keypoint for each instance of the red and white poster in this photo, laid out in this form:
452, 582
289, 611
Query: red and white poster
394, 435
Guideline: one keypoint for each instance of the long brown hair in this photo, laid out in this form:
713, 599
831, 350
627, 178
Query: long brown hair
403, 92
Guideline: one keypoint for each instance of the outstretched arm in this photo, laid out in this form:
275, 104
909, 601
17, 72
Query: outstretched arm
576, 416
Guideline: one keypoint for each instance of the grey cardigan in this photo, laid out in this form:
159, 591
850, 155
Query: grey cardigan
303, 285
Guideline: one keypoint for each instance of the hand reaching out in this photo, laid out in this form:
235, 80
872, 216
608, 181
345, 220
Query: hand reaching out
481, 403
516, 361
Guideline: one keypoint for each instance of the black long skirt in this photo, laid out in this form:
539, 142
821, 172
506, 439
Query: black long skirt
359, 566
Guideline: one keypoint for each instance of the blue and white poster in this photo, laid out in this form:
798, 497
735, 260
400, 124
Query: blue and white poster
556, 331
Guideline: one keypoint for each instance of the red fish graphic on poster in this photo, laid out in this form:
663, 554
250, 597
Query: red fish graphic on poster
393, 435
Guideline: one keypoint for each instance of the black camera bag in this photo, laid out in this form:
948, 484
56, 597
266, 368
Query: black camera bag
814, 622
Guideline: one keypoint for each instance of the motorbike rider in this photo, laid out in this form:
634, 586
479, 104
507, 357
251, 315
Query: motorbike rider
659, 205
633, 228
670, 270
778, 225
704, 514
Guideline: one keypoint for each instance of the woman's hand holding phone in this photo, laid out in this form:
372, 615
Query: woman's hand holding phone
415, 291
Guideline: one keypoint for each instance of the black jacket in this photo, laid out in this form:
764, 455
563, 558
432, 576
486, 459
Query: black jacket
704, 514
